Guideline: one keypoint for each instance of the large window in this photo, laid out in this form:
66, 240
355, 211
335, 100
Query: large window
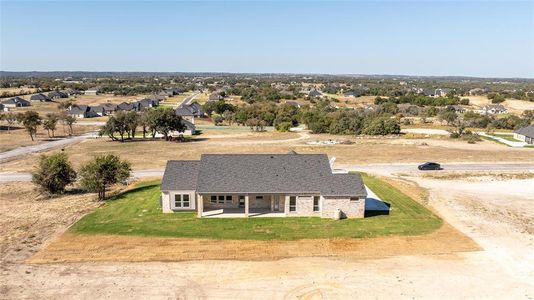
316, 203
221, 199
228, 198
182, 201
292, 203
213, 199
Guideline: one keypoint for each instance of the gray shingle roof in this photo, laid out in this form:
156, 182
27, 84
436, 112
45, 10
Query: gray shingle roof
180, 175
526, 131
268, 173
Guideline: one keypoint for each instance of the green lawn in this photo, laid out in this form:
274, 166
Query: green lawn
137, 212
507, 137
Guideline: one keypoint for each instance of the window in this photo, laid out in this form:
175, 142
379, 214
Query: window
181, 201
292, 203
228, 198
221, 199
259, 197
316, 203
241, 201
213, 199
354, 199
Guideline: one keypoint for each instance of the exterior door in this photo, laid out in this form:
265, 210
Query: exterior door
276, 204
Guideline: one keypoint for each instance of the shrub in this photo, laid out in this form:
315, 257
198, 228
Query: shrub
54, 173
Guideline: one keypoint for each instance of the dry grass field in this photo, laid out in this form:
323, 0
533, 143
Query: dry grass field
362, 151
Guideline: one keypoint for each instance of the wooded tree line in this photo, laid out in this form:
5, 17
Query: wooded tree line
124, 125
421, 100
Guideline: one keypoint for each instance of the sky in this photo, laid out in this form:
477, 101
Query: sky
450, 38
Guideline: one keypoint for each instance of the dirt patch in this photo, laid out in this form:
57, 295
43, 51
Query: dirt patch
91, 248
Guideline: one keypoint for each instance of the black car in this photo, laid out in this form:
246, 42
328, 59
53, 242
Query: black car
429, 166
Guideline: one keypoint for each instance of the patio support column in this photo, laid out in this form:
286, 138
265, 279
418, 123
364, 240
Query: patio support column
246, 206
200, 205
272, 202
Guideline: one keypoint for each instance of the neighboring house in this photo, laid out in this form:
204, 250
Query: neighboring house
146, 103
73, 92
442, 92
215, 97
79, 111
92, 91
125, 106
190, 127
189, 111
39, 97
290, 184
3, 108
15, 102
494, 109
455, 108
108, 108
314, 93
525, 134
57, 95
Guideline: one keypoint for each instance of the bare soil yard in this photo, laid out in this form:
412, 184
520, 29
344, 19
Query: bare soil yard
502, 270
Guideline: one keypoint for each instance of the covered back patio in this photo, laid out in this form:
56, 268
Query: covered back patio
241, 205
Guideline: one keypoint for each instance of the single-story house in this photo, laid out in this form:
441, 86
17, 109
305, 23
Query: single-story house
146, 103
455, 108
215, 97
72, 92
186, 113
290, 184
125, 106
57, 95
107, 108
92, 91
16, 102
39, 97
79, 111
525, 134
494, 109
190, 127
314, 93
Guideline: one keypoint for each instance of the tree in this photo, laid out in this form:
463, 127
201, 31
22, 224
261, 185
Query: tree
131, 122
448, 116
54, 173
11, 119
167, 121
31, 121
50, 123
102, 172
381, 126
69, 121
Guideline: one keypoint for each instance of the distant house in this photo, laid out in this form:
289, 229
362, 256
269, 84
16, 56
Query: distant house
494, 109
352, 94
39, 97
125, 106
525, 134
79, 111
215, 97
108, 108
190, 128
314, 94
146, 103
72, 92
57, 95
92, 91
440, 92
15, 102
455, 108
3, 108
292, 185
189, 112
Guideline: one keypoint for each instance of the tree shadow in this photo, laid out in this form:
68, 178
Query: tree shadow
137, 189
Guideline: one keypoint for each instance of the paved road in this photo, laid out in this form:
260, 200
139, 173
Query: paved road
189, 99
394, 168
45, 146
376, 168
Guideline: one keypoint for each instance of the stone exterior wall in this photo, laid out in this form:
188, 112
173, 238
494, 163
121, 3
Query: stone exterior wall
304, 206
349, 208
